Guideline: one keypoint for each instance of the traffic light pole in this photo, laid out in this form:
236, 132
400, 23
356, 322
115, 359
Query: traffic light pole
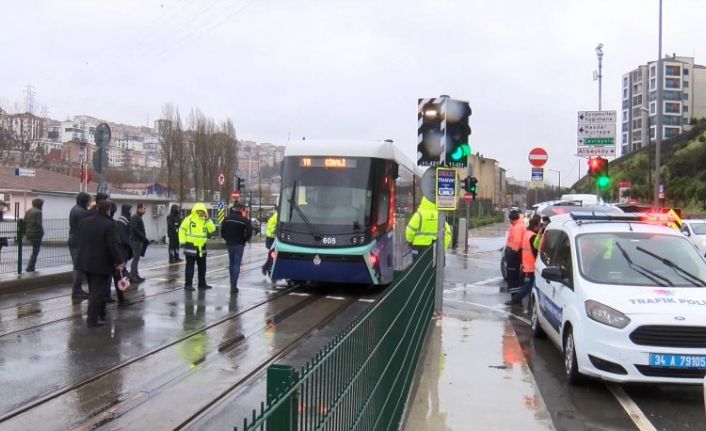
440, 250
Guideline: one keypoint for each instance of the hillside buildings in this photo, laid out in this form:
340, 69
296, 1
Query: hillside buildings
684, 98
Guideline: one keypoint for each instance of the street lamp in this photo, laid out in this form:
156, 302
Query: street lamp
558, 172
659, 111
599, 53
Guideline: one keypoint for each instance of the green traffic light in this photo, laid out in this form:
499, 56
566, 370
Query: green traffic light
461, 151
603, 182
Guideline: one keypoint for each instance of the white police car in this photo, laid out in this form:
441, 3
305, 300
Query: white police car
623, 299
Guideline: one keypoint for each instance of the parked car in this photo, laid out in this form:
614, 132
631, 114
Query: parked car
622, 299
695, 230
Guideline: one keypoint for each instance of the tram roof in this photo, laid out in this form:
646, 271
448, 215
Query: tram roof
352, 148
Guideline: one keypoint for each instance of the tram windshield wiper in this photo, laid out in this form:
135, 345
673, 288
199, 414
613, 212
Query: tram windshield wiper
642, 270
681, 272
293, 204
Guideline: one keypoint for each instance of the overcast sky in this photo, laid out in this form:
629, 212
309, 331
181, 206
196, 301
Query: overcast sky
343, 68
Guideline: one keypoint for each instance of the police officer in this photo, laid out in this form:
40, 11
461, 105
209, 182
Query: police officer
193, 233
513, 251
269, 240
422, 227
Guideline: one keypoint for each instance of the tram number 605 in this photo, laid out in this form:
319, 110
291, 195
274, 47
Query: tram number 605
329, 240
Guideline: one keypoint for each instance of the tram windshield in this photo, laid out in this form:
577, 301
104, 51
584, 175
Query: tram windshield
319, 192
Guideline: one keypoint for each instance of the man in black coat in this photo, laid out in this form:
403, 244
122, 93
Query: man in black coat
173, 223
138, 238
99, 258
77, 213
236, 230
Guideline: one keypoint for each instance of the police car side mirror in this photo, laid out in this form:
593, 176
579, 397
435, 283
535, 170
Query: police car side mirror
686, 233
553, 273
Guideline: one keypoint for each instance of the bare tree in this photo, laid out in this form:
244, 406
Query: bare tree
196, 146
171, 140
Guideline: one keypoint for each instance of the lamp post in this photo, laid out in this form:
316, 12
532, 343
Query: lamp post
599, 53
659, 111
558, 172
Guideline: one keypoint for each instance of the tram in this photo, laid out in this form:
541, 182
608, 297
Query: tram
344, 206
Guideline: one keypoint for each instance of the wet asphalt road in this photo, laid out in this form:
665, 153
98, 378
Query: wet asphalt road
593, 405
172, 348
203, 344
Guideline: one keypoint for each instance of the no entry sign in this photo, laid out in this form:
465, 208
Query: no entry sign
538, 157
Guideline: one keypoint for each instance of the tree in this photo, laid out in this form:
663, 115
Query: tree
171, 141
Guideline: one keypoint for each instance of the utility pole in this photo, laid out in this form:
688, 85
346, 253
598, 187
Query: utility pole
659, 112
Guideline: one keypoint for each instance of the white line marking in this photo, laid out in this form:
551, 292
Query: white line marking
631, 408
366, 300
335, 297
475, 304
300, 294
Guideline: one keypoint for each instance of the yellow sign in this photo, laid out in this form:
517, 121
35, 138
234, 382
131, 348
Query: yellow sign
676, 224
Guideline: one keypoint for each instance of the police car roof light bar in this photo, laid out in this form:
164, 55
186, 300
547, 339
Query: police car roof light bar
586, 216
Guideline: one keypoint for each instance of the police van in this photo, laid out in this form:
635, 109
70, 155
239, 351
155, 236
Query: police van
623, 297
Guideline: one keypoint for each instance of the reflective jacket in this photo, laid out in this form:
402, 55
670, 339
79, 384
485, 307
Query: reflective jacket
194, 232
271, 225
514, 238
528, 255
422, 227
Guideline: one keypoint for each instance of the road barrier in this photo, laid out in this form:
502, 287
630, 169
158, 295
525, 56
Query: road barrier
16, 250
361, 380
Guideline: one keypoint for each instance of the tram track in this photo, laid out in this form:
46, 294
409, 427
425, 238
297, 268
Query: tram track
79, 312
178, 377
74, 386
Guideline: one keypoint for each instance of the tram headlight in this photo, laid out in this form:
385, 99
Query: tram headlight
358, 239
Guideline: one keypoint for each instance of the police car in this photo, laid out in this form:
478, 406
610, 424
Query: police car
623, 298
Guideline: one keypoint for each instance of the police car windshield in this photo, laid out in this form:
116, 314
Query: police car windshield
698, 228
602, 261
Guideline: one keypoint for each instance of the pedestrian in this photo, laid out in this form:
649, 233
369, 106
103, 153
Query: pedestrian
76, 215
193, 234
270, 234
34, 231
3, 239
123, 227
173, 222
236, 230
99, 258
529, 255
422, 228
92, 209
138, 238
513, 251
118, 275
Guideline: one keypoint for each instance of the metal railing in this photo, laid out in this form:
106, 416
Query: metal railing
16, 249
361, 379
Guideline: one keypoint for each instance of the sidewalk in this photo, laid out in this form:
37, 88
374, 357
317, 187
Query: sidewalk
467, 383
473, 374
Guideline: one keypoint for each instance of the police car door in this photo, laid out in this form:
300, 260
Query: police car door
563, 294
549, 313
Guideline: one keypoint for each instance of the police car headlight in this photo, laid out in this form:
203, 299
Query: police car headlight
703, 243
606, 315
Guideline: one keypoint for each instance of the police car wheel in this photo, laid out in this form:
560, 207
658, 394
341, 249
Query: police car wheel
537, 331
571, 366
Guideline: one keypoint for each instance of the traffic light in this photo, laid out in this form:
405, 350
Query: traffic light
602, 173
470, 184
430, 135
593, 164
457, 132
241, 184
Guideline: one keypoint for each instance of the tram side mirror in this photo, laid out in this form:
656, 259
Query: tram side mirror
395, 171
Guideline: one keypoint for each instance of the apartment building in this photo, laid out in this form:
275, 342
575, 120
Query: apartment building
683, 93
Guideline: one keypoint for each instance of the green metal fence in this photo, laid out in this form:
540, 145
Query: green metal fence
16, 250
361, 379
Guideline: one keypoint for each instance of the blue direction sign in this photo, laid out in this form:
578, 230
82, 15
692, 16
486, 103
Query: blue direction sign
446, 189
220, 205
